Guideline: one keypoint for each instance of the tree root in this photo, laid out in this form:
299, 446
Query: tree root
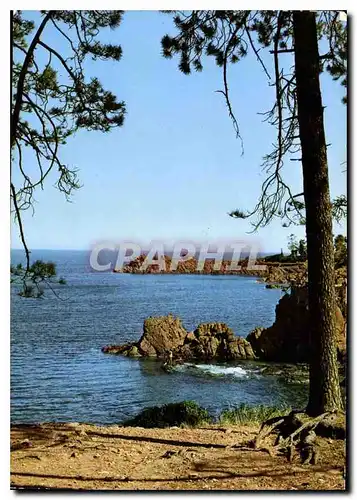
292, 436
267, 428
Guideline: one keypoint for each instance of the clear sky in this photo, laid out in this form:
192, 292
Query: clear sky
175, 168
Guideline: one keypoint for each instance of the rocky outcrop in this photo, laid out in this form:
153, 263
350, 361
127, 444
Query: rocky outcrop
161, 334
164, 337
190, 266
287, 339
213, 341
117, 349
296, 374
274, 272
295, 274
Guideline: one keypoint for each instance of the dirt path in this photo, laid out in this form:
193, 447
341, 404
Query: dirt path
88, 457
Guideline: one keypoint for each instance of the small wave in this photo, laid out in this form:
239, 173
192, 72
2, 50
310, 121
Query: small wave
216, 370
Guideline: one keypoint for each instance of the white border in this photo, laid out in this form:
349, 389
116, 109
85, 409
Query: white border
4, 197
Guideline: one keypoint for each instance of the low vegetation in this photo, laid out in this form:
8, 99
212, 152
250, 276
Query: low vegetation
190, 414
186, 413
246, 414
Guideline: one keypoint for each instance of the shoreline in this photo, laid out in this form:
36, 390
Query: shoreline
281, 271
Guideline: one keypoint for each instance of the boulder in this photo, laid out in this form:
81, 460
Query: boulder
161, 334
287, 339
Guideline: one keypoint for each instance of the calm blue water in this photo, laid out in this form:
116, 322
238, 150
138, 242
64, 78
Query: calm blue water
58, 372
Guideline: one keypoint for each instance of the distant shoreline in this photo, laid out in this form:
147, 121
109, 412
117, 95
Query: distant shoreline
270, 272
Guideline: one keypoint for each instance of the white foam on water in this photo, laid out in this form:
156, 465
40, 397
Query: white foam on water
217, 370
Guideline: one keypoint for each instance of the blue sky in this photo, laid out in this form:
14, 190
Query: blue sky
175, 168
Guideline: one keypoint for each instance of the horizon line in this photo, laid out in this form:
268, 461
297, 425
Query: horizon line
273, 252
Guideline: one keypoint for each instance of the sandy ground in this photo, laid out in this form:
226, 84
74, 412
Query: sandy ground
87, 457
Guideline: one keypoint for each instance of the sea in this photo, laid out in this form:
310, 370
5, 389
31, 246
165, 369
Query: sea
59, 373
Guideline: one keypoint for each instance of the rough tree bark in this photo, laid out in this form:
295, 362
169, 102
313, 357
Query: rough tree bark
324, 392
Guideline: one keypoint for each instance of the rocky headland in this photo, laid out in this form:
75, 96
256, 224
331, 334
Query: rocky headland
274, 272
288, 274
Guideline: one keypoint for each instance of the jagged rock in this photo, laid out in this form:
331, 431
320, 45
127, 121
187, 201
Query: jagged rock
161, 334
255, 334
295, 374
286, 274
213, 341
288, 338
164, 335
117, 349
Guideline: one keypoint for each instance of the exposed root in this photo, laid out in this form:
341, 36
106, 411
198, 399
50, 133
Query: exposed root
292, 436
267, 428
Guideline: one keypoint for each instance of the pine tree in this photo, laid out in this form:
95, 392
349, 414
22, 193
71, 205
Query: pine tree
297, 114
324, 381
52, 98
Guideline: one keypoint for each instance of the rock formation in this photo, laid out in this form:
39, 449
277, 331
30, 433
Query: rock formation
213, 341
287, 339
165, 334
161, 334
190, 266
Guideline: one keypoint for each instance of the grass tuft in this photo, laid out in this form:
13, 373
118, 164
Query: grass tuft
246, 414
188, 414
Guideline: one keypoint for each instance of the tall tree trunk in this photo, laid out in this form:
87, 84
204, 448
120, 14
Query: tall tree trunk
324, 392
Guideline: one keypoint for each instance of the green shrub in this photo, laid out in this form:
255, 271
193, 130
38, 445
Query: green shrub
246, 414
40, 269
173, 414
